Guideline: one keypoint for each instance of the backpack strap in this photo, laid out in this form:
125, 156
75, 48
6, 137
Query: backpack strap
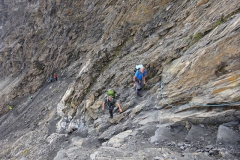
137, 72
109, 102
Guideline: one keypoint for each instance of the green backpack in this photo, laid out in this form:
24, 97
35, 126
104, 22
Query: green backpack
111, 92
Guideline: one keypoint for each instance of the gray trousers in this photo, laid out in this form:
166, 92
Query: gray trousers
138, 86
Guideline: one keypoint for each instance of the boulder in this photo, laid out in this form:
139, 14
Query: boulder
76, 141
54, 137
83, 132
195, 133
169, 132
96, 105
127, 105
163, 133
110, 132
101, 126
117, 118
118, 140
61, 155
227, 136
148, 130
137, 109
148, 117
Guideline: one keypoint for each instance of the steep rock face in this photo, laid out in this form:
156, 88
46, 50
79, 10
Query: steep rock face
49, 36
189, 48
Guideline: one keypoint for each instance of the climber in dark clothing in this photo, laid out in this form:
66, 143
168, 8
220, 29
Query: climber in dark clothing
51, 78
111, 103
55, 76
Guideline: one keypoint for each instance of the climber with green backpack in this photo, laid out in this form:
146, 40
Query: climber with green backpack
111, 102
111, 92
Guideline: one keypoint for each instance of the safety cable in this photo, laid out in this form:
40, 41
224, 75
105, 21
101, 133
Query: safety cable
192, 103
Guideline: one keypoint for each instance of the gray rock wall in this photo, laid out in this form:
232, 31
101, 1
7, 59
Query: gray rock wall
191, 53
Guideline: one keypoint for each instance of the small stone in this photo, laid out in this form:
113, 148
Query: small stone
227, 135
169, 144
201, 125
209, 147
182, 147
213, 152
188, 145
180, 144
202, 138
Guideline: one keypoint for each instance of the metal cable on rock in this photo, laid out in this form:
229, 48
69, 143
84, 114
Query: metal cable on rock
198, 104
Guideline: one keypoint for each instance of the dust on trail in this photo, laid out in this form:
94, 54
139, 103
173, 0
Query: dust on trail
8, 83
28, 113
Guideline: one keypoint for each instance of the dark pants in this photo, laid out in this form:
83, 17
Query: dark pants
138, 86
111, 111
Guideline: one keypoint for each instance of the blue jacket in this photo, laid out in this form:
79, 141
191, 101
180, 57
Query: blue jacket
139, 75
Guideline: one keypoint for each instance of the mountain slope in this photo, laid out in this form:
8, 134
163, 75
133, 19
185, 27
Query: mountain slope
191, 53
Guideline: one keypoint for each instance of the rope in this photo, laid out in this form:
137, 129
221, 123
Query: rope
217, 105
197, 104
161, 83
164, 98
152, 84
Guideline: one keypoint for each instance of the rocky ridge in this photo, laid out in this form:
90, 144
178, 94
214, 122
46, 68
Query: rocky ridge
190, 50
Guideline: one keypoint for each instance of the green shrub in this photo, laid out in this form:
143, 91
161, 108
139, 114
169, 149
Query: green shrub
197, 37
25, 152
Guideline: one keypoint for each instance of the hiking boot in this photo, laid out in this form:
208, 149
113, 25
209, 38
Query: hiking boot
139, 95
